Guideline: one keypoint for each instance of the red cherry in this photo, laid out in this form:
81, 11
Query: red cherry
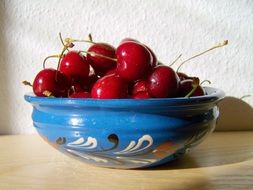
77, 87
183, 76
134, 61
141, 95
129, 40
110, 87
113, 71
84, 84
92, 79
139, 86
88, 82
186, 86
154, 58
163, 82
80, 95
100, 62
52, 81
74, 65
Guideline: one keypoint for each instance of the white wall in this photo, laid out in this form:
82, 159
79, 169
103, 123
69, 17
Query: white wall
29, 32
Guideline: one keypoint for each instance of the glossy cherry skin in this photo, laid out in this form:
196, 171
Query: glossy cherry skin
110, 87
154, 58
110, 72
163, 82
84, 84
186, 87
128, 40
139, 86
82, 94
90, 81
77, 87
52, 81
74, 65
100, 64
134, 61
183, 76
141, 95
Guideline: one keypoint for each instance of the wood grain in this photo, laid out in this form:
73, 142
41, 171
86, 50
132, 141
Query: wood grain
223, 161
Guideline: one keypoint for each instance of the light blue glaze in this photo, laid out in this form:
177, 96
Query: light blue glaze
125, 133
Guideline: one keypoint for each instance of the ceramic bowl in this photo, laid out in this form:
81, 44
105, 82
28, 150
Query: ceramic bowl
125, 133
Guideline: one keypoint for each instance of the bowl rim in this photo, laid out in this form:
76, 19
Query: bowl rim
213, 96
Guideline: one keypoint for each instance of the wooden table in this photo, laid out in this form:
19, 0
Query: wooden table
223, 161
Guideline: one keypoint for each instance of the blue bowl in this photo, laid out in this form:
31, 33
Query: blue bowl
125, 133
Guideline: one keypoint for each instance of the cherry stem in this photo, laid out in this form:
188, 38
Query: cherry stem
245, 96
63, 50
51, 56
90, 37
62, 40
208, 81
195, 84
48, 94
99, 55
69, 92
27, 83
73, 89
68, 40
225, 42
65, 47
178, 57
191, 92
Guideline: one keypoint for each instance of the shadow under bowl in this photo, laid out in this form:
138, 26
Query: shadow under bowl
125, 133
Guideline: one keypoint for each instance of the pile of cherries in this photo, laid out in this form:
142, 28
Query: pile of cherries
131, 70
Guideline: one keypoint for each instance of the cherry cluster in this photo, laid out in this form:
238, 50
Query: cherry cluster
131, 70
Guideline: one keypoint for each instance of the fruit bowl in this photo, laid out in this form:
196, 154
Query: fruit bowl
125, 133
